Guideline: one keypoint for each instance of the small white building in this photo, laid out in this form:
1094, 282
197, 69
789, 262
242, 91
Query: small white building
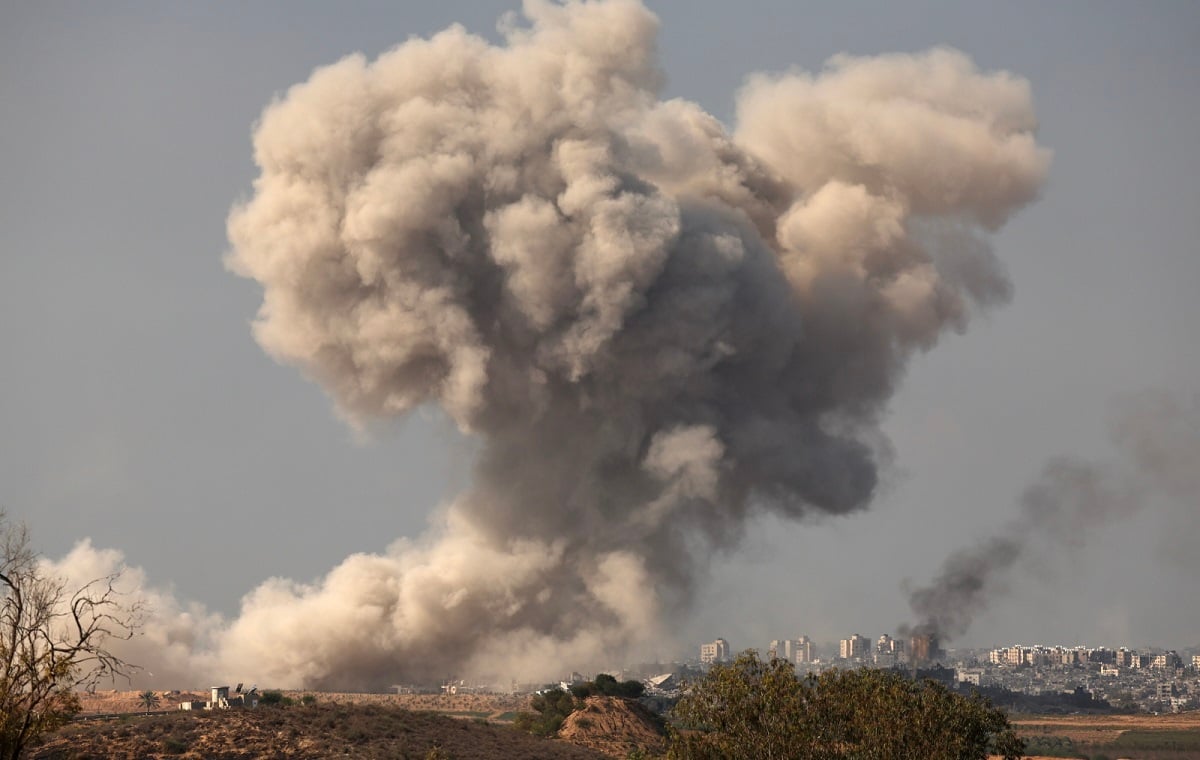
973, 676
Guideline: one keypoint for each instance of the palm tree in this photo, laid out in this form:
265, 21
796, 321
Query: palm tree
148, 699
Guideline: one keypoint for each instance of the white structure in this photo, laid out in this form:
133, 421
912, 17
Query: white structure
973, 676
220, 699
715, 651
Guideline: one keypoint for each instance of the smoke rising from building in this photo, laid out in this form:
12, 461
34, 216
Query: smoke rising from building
655, 327
1157, 436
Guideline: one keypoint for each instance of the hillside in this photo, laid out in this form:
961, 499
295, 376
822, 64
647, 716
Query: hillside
323, 730
614, 726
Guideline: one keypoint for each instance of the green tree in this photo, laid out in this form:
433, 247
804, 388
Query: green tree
761, 709
748, 709
53, 641
606, 685
148, 700
551, 708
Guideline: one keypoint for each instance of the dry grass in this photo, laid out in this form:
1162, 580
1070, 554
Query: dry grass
115, 701
322, 730
1102, 729
1152, 737
127, 701
1174, 721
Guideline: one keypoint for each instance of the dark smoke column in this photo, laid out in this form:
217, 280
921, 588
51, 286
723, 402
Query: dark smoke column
1157, 438
654, 327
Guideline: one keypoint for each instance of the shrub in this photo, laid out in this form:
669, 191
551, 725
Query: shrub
551, 708
752, 709
175, 745
271, 698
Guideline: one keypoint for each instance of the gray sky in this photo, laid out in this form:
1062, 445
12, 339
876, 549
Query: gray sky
136, 409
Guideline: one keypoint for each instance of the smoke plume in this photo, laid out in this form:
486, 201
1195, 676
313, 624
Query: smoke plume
1158, 441
654, 326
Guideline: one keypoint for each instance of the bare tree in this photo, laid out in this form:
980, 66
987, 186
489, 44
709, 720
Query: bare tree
53, 641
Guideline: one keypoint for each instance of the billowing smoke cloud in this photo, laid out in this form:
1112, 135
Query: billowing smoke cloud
1158, 439
655, 327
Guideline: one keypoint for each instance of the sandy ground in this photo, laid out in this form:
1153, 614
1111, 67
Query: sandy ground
115, 701
1170, 721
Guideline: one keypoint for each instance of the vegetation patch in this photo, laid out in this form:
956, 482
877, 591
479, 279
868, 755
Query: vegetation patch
754, 709
1177, 741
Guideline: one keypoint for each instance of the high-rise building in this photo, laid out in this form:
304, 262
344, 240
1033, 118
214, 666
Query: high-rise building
888, 645
854, 647
804, 650
888, 651
714, 651
924, 648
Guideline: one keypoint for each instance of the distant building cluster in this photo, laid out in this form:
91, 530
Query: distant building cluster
1149, 680
1069, 677
857, 649
798, 651
1111, 661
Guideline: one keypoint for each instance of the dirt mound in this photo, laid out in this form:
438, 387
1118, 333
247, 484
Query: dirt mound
614, 726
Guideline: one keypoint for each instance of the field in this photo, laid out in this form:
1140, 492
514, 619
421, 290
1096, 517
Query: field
1108, 737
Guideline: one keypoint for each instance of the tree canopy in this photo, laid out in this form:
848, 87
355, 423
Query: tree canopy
550, 709
759, 710
606, 685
